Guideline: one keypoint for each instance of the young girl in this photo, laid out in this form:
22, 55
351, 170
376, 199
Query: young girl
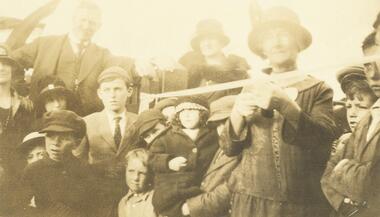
181, 156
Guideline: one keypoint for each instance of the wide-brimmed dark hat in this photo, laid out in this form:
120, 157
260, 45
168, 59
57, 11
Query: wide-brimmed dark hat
63, 121
52, 86
6, 58
209, 28
278, 17
147, 120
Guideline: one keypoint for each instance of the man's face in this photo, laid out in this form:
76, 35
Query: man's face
37, 153
152, 134
114, 94
280, 47
189, 118
5, 73
136, 175
210, 46
357, 108
372, 70
86, 23
59, 144
55, 104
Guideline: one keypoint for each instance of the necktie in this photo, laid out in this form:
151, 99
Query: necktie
117, 132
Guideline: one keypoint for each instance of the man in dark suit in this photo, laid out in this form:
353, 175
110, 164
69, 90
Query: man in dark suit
72, 57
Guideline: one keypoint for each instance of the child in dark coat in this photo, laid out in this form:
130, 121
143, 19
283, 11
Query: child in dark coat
181, 156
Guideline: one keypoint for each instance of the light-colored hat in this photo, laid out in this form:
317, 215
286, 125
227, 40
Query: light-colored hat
221, 108
281, 17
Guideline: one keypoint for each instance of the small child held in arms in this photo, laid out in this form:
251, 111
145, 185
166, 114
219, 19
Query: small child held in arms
182, 155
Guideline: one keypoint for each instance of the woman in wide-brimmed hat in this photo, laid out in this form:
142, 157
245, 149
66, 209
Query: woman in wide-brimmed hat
207, 64
55, 96
283, 127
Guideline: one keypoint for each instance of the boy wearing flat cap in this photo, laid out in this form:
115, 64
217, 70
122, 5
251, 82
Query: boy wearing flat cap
283, 127
351, 180
60, 183
107, 130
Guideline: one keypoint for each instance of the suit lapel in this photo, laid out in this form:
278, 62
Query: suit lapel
362, 130
89, 61
105, 129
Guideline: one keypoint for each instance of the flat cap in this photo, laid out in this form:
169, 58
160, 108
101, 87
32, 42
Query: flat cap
63, 121
115, 72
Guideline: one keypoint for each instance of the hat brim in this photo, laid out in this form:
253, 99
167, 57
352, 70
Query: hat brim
56, 128
302, 35
30, 144
197, 39
8, 60
219, 116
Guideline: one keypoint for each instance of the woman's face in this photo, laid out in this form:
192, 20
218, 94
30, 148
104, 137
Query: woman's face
136, 175
210, 46
55, 104
189, 118
37, 153
357, 108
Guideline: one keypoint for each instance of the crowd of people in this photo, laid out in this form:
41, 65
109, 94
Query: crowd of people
73, 144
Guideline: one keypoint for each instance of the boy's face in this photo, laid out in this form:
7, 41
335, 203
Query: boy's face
357, 108
136, 175
114, 94
55, 104
59, 144
372, 71
37, 153
152, 134
189, 118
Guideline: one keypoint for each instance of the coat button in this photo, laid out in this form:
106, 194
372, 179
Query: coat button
195, 150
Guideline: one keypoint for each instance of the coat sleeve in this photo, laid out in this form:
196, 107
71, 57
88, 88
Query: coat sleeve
27, 54
232, 144
214, 203
352, 177
159, 159
334, 197
314, 128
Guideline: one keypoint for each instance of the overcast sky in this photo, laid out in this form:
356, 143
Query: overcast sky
147, 28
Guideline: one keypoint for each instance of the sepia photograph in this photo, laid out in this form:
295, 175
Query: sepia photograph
189, 108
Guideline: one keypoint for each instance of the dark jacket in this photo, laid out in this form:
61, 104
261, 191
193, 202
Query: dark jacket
215, 201
359, 178
200, 74
45, 55
173, 188
59, 188
281, 160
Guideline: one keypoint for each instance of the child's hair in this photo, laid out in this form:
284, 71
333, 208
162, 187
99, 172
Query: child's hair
203, 117
139, 153
142, 155
353, 87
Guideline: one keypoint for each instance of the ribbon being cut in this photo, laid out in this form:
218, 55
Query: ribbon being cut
258, 82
